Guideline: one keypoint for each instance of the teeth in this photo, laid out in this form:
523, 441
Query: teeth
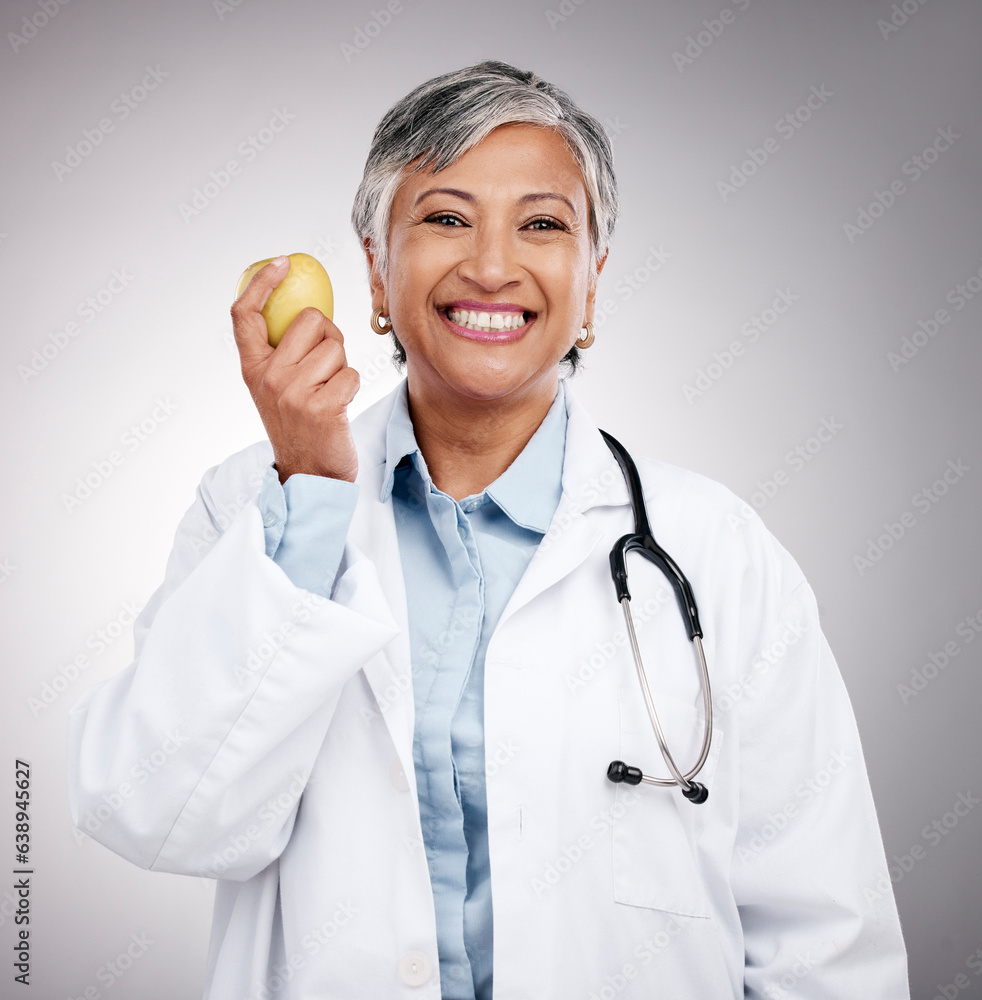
485, 322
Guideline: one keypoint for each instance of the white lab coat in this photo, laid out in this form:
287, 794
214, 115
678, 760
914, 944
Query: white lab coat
247, 692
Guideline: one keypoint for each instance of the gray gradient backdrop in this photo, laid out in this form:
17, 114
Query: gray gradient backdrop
149, 372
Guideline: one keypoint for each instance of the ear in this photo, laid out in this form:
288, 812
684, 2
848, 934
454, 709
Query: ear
375, 281
591, 295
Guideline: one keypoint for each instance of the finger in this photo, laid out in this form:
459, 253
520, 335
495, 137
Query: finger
248, 325
301, 378
343, 387
309, 328
320, 364
329, 398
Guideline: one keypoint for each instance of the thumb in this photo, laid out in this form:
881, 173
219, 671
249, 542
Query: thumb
248, 325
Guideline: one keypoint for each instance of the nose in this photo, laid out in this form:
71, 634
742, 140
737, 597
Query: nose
493, 261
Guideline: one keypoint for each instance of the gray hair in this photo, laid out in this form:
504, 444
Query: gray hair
443, 118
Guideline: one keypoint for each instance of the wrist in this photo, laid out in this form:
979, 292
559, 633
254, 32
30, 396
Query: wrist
285, 471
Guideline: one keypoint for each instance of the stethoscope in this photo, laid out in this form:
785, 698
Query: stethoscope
643, 542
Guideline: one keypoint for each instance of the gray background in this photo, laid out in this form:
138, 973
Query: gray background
679, 131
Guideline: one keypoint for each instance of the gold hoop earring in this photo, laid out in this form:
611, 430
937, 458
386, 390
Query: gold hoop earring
380, 328
585, 342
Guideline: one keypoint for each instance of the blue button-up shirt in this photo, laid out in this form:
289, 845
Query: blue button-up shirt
462, 561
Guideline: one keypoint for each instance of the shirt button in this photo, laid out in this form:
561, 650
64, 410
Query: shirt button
269, 519
398, 777
463, 534
414, 968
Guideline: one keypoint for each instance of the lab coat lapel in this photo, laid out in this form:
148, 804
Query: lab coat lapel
591, 479
381, 592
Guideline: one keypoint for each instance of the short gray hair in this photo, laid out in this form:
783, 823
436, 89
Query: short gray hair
443, 118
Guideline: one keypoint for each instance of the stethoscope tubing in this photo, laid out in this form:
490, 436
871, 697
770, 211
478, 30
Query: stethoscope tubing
643, 542
678, 778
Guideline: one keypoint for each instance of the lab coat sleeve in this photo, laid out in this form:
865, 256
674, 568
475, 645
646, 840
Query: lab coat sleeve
808, 868
193, 759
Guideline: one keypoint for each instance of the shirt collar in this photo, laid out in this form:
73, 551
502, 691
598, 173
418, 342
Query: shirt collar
400, 442
528, 491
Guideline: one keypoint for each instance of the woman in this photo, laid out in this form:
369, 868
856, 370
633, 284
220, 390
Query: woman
399, 674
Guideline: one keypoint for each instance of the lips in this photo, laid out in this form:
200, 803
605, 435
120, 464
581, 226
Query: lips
483, 321
487, 320
497, 322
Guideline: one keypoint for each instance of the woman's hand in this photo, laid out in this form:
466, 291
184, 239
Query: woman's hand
302, 387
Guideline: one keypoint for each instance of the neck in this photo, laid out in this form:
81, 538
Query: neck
468, 443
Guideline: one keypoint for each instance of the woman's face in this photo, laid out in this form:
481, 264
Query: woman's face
504, 231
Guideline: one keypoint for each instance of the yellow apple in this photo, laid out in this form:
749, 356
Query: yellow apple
305, 284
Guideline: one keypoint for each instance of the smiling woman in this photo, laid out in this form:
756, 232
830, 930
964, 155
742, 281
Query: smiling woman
405, 641
490, 279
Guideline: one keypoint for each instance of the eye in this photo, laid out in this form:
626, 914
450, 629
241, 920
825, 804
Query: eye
446, 219
543, 224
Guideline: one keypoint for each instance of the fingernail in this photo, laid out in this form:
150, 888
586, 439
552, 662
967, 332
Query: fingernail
281, 260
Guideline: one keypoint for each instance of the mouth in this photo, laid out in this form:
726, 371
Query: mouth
493, 322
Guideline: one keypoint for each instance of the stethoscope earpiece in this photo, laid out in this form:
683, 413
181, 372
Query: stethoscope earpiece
696, 792
619, 771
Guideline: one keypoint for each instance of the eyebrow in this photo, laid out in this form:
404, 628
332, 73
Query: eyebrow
525, 199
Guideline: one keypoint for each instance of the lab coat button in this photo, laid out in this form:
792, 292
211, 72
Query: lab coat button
414, 969
398, 777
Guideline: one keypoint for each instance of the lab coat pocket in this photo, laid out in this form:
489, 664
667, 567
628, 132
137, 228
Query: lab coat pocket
656, 830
